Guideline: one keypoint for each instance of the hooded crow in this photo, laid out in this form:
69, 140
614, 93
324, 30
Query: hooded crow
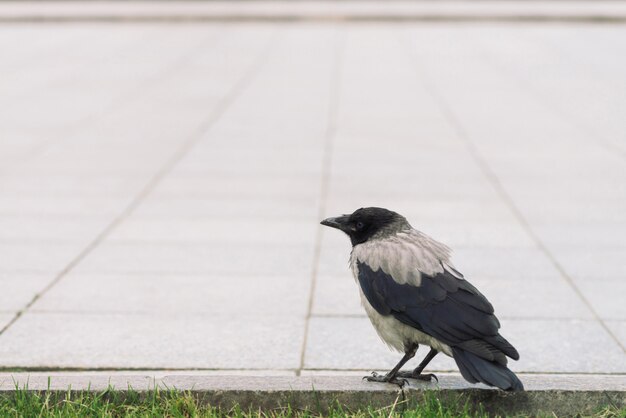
413, 295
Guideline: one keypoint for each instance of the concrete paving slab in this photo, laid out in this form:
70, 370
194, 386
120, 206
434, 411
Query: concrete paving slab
504, 263
205, 294
152, 341
54, 207
19, 289
198, 258
479, 234
545, 346
592, 264
5, 318
23, 228
207, 207
342, 343
336, 296
242, 186
230, 232
37, 257
51, 184
600, 294
560, 345
618, 328
530, 298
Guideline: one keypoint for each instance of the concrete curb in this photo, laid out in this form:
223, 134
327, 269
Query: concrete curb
314, 11
559, 394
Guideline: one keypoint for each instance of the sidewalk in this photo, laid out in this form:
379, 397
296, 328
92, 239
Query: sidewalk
161, 188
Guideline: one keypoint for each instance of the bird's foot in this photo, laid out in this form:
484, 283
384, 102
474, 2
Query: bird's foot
375, 377
426, 377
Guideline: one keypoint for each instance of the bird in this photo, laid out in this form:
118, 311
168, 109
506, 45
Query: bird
413, 295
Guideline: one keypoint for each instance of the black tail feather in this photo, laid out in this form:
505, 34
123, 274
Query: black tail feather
503, 345
476, 369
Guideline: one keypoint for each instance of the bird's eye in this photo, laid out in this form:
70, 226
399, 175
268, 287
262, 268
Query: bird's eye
359, 225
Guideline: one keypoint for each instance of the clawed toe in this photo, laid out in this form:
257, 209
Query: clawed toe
375, 377
427, 377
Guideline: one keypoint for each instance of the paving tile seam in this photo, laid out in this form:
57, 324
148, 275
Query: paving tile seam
569, 119
238, 87
329, 136
449, 114
125, 98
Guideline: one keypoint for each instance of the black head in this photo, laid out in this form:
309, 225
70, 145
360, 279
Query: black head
366, 223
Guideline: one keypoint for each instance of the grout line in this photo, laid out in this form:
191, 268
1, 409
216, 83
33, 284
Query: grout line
184, 149
331, 129
455, 123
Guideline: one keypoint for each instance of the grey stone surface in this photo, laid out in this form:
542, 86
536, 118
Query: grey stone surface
119, 341
544, 345
588, 235
219, 231
601, 295
51, 207
46, 257
18, 289
595, 264
337, 295
203, 294
574, 346
206, 207
533, 298
192, 258
26, 228
618, 328
232, 141
5, 318
514, 264
351, 343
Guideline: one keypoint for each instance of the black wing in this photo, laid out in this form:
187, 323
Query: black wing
443, 306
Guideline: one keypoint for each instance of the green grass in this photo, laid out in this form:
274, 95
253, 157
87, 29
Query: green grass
158, 403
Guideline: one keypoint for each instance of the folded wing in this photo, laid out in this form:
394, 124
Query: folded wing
443, 305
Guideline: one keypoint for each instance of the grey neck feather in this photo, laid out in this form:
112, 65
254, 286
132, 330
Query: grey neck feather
398, 225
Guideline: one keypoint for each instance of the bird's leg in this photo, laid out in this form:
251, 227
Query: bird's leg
391, 376
417, 373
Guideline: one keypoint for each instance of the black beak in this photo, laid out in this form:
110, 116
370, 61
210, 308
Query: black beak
340, 222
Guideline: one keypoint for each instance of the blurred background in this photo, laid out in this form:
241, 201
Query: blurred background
164, 167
